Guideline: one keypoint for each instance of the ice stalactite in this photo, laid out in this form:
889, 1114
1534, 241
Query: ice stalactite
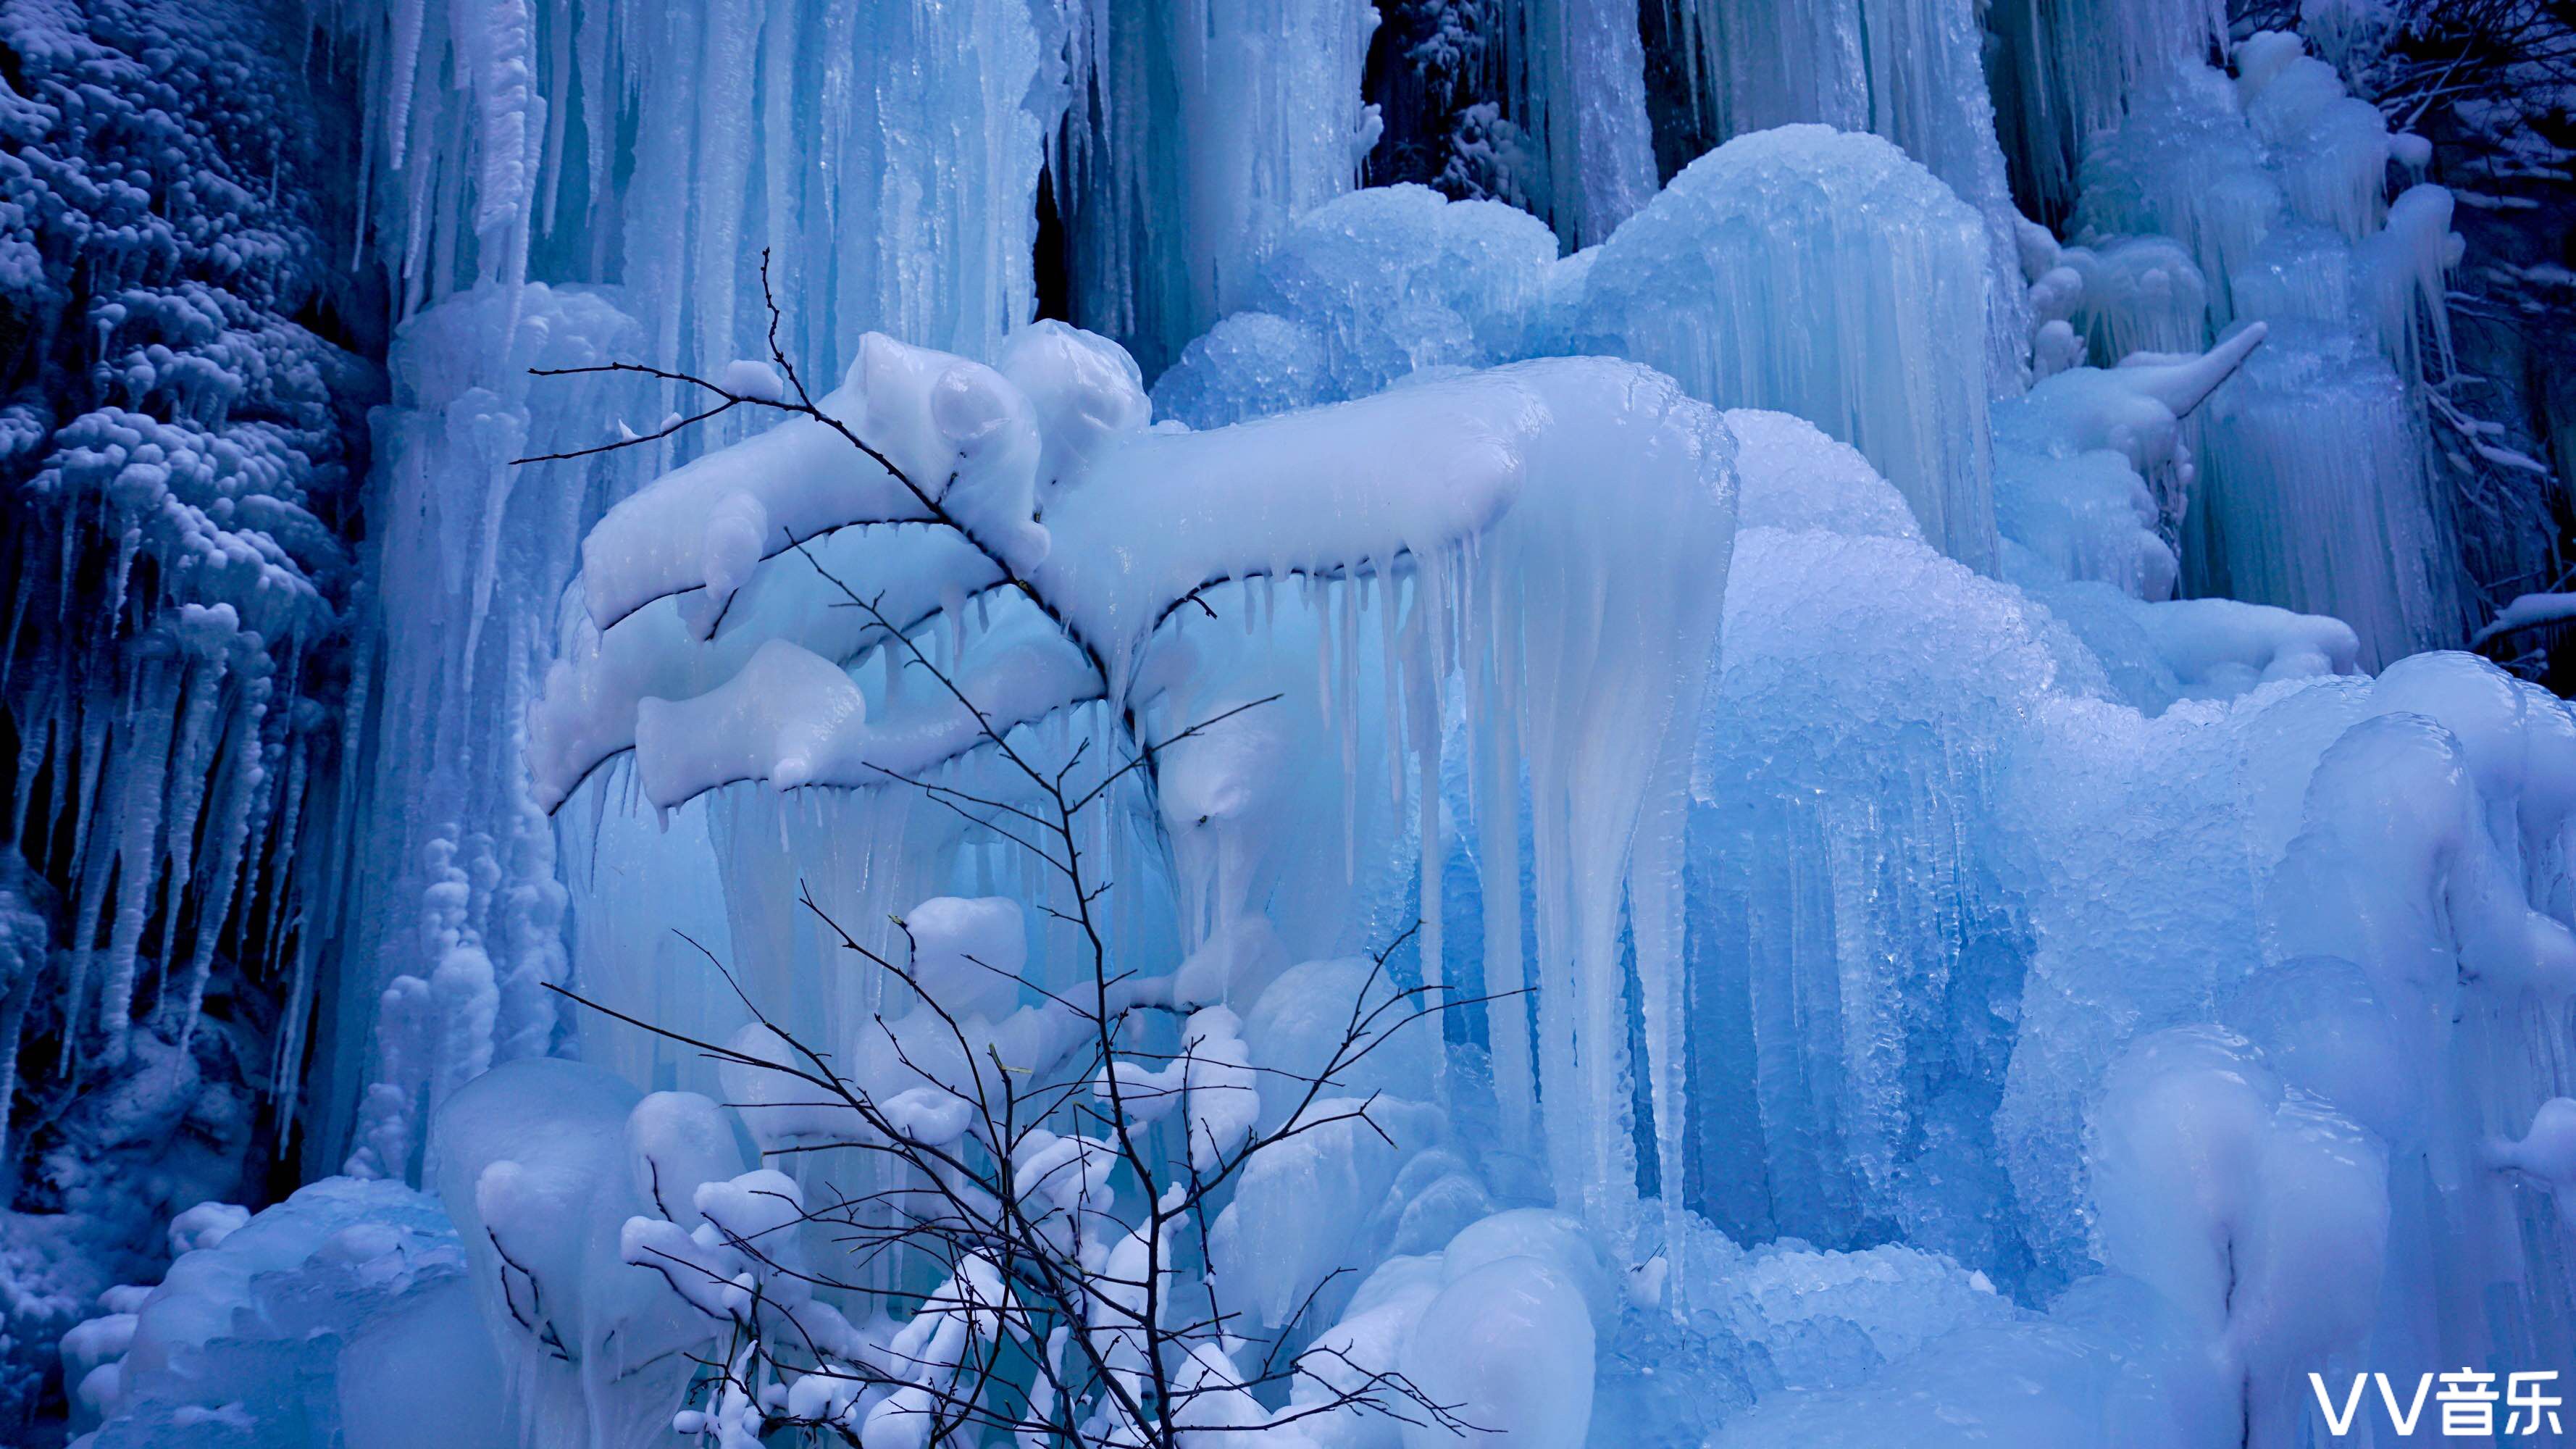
891, 194
2185, 164
2330, 149
887, 193
1858, 934
174, 748
2317, 495
2318, 491
1815, 260
1848, 948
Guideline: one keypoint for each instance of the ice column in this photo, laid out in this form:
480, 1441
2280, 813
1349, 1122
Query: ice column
1578, 81
457, 914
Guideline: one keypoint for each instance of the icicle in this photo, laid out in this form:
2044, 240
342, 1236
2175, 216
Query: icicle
93, 763
229, 834
191, 772
36, 740
20, 991
1424, 683
1494, 711
1655, 924
282, 817
410, 17
136, 843
1387, 589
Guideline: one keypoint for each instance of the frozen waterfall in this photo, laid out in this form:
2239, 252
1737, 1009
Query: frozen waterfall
959, 730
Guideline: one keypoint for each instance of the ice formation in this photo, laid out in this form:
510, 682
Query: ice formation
342, 1315
1863, 582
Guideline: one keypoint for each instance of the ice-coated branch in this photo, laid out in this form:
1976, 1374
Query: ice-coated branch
967, 413
1011, 1179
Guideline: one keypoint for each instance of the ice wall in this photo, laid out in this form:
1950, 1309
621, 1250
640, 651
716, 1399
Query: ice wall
667, 150
674, 151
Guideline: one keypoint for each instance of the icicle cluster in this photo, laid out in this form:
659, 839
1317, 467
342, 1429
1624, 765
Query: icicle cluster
2318, 492
178, 448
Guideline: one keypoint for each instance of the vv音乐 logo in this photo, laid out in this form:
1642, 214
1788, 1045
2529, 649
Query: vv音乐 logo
2466, 1405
